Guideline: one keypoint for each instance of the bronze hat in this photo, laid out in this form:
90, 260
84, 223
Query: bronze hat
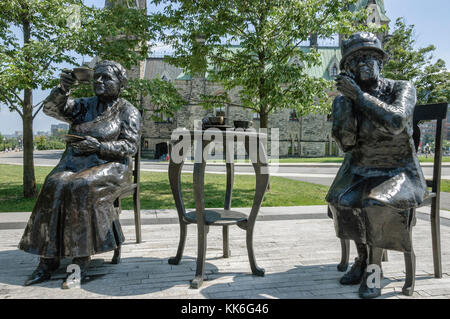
361, 41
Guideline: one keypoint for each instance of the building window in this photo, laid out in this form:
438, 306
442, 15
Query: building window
293, 115
160, 117
256, 116
334, 71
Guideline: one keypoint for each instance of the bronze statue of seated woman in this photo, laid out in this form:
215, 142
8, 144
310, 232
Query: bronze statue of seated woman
74, 216
380, 180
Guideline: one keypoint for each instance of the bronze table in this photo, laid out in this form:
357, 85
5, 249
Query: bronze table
254, 146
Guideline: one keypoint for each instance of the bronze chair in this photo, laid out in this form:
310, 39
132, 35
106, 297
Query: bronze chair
438, 113
131, 189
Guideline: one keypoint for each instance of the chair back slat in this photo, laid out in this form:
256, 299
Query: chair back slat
429, 112
137, 165
437, 157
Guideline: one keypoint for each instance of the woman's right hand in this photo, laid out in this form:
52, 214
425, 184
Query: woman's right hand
67, 80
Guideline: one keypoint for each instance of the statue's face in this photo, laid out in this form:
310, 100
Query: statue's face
106, 82
365, 66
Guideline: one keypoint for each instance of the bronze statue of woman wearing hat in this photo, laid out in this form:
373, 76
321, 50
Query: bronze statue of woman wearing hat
380, 179
74, 216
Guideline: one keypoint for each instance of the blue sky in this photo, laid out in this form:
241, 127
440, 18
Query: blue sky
429, 17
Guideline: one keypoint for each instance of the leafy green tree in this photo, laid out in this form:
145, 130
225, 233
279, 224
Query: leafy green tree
40, 142
164, 97
251, 45
432, 80
49, 143
434, 84
51, 30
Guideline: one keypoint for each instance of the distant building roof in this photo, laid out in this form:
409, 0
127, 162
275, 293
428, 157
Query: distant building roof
328, 55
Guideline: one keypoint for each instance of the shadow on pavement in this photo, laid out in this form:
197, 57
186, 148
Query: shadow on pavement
301, 282
134, 276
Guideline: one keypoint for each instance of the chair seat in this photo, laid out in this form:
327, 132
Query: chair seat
219, 217
427, 200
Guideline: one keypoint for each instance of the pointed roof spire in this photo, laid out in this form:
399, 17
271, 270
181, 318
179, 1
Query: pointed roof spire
362, 4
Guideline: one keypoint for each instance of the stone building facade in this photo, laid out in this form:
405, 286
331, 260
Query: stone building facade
307, 136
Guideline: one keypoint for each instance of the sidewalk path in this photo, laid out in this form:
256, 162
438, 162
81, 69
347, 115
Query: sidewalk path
297, 247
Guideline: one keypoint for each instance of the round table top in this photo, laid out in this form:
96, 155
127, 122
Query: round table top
215, 130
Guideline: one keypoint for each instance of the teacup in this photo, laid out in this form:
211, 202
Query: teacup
83, 74
216, 120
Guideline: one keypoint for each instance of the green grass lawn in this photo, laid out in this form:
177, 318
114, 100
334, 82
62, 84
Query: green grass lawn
445, 185
156, 193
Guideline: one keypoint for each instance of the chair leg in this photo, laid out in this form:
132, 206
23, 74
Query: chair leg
436, 237
137, 216
117, 258
385, 255
410, 265
226, 243
183, 232
345, 249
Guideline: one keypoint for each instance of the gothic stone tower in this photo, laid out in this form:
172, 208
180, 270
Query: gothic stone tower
376, 17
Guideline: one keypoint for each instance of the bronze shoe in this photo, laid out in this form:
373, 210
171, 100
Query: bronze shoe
39, 275
43, 271
83, 263
355, 274
368, 293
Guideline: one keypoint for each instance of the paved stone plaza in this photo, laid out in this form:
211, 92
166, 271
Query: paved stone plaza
297, 247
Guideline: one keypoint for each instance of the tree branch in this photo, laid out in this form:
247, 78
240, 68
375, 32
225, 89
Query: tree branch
41, 105
17, 97
12, 104
298, 43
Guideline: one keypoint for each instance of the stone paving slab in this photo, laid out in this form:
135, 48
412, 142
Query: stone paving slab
299, 256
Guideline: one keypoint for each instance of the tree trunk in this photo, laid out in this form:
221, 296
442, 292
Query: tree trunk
29, 180
263, 120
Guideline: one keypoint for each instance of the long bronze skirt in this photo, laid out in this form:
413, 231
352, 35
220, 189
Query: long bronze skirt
74, 215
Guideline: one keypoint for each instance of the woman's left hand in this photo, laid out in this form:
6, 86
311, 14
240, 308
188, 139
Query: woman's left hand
88, 145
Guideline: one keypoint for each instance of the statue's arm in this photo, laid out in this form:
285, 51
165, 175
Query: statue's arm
59, 105
344, 129
393, 117
127, 142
